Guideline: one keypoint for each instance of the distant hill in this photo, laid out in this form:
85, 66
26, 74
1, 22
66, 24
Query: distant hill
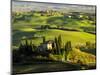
20, 6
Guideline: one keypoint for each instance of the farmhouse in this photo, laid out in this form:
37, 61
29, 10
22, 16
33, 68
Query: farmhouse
48, 45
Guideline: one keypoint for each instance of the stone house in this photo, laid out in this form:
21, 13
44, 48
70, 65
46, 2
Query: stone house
48, 45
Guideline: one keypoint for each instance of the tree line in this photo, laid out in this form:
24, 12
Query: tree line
27, 49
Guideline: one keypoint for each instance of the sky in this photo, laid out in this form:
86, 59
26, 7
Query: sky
28, 5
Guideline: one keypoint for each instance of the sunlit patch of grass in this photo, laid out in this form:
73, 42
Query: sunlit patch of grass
27, 29
74, 36
77, 56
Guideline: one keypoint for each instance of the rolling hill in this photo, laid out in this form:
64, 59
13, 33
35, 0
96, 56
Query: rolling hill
73, 36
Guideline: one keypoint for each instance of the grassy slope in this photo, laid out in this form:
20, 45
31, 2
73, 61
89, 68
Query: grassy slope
84, 57
73, 55
24, 28
53, 20
75, 37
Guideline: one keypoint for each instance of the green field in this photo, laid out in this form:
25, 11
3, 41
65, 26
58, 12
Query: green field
73, 35
24, 28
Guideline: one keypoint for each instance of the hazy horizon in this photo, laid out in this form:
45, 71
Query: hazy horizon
25, 6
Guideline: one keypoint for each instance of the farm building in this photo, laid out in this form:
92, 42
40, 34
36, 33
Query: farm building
48, 45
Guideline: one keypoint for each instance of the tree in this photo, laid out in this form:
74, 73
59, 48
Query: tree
68, 47
88, 44
59, 43
44, 39
60, 40
26, 48
57, 46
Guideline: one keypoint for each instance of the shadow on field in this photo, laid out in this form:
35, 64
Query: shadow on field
45, 67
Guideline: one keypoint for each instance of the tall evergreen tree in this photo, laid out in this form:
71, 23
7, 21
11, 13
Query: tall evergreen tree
60, 40
57, 46
59, 43
68, 47
66, 50
27, 48
44, 39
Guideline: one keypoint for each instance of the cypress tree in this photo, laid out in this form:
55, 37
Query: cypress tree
66, 50
26, 42
21, 48
28, 48
68, 47
44, 39
56, 45
32, 45
59, 43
